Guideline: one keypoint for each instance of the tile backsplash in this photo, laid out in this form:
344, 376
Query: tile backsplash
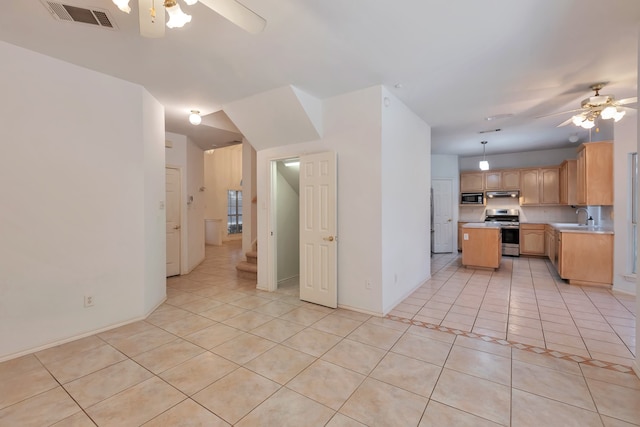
603, 215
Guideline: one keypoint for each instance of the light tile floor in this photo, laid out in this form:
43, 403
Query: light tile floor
219, 352
525, 301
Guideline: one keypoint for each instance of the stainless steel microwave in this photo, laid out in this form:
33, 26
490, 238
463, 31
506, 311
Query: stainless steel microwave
472, 199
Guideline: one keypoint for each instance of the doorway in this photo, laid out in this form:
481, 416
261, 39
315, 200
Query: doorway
286, 193
173, 220
442, 215
316, 221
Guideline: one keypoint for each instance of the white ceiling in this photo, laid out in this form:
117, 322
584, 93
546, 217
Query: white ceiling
457, 61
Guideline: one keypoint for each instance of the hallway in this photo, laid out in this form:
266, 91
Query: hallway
219, 352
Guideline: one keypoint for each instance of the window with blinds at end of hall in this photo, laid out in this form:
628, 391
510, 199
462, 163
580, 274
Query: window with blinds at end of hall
234, 212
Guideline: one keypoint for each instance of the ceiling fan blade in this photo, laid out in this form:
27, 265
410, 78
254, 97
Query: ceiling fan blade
566, 122
237, 13
627, 101
561, 112
149, 26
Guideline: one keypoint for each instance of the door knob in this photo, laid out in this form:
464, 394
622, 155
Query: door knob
328, 239
177, 227
449, 220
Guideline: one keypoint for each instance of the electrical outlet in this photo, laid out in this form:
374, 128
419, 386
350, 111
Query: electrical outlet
88, 301
367, 284
466, 236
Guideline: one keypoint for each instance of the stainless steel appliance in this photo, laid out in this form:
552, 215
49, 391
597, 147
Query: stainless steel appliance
509, 221
472, 198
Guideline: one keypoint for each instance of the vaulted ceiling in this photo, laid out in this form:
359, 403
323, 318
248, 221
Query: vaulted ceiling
454, 63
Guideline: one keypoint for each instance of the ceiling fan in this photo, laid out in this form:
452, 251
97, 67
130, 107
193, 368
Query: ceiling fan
603, 106
152, 20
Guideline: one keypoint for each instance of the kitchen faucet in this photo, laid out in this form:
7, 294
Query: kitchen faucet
586, 219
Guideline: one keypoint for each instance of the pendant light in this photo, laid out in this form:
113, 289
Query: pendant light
484, 164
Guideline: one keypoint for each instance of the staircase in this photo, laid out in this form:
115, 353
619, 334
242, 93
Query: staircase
248, 269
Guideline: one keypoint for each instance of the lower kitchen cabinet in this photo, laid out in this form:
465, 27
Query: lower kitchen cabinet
532, 239
585, 258
482, 248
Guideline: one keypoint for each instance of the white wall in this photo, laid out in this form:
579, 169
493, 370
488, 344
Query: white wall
83, 176
637, 363
626, 141
222, 172
249, 210
185, 155
406, 183
288, 231
520, 160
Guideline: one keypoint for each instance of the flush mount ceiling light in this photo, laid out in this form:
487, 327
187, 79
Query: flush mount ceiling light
195, 118
152, 23
484, 164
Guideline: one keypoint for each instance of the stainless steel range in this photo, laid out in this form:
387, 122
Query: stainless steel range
509, 221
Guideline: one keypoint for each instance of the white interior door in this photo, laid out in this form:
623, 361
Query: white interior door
173, 221
318, 227
442, 215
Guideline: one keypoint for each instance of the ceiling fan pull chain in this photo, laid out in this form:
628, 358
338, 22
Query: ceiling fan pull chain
152, 11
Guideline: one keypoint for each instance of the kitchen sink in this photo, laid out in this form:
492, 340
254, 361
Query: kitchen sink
576, 226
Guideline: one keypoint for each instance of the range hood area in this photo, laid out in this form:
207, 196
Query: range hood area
495, 194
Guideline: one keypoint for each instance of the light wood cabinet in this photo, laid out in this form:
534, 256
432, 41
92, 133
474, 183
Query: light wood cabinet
540, 186
493, 181
568, 182
529, 188
483, 248
594, 174
460, 224
549, 180
550, 242
586, 258
471, 182
502, 180
510, 179
532, 239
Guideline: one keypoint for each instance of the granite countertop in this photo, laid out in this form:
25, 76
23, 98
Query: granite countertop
569, 227
481, 225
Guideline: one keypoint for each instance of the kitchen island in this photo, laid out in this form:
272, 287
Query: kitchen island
481, 245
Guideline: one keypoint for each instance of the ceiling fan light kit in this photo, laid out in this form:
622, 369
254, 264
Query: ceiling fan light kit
231, 10
603, 106
177, 18
123, 5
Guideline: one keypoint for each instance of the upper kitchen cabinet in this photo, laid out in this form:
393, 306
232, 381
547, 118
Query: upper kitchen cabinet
502, 180
568, 182
511, 179
549, 179
471, 182
594, 174
493, 181
529, 187
540, 186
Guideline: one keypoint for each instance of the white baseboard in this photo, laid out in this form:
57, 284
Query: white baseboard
79, 336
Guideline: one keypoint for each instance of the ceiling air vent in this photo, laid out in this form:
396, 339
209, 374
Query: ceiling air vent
66, 12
